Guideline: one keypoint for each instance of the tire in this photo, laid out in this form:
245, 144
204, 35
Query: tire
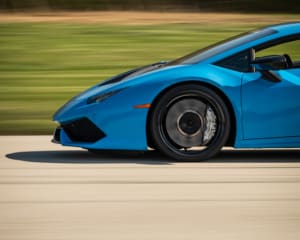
190, 123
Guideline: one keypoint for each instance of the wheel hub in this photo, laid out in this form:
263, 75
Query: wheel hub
185, 122
189, 123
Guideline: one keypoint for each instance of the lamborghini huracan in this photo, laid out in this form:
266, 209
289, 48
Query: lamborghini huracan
243, 92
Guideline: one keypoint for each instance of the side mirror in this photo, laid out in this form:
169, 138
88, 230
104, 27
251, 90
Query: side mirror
272, 62
266, 64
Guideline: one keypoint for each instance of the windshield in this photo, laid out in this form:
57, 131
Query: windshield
222, 46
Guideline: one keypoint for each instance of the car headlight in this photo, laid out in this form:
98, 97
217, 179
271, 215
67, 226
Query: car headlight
103, 96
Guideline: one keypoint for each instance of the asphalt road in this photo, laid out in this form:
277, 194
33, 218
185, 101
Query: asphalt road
51, 192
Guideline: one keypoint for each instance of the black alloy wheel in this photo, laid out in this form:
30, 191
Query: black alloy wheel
190, 123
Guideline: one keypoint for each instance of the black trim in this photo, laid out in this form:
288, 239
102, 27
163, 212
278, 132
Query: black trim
270, 76
240, 61
56, 135
83, 130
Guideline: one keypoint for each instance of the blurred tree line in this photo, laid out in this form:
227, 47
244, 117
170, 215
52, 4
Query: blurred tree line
280, 6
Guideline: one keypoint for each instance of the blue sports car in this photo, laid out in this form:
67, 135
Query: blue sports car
242, 92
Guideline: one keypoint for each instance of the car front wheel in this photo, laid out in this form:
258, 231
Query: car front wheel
190, 123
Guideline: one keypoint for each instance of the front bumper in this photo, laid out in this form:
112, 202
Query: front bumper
113, 124
119, 133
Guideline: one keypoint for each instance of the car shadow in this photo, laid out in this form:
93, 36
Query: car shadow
83, 156
153, 157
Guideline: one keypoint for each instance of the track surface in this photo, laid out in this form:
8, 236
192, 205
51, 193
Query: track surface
51, 192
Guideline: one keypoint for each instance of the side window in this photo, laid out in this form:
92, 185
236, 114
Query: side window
238, 62
291, 48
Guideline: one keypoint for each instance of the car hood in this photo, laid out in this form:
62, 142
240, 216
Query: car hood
134, 73
108, 85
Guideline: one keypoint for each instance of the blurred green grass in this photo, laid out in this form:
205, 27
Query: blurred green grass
42, 65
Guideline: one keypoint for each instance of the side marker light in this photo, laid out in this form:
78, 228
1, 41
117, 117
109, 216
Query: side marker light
147, 105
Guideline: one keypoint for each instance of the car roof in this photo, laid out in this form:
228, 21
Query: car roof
288, 27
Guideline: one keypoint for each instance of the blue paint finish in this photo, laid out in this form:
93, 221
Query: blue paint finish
271, 109
267, 114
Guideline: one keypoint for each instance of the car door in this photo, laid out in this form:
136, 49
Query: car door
271, 99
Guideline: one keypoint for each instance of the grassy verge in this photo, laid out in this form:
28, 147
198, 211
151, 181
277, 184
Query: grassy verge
42, 65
